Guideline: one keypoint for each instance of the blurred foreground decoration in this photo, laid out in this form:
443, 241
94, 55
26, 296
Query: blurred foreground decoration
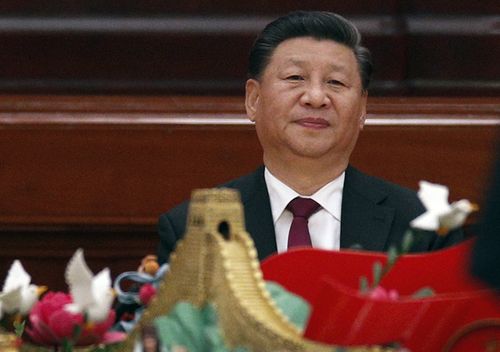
216, 262
215, 265
462, 315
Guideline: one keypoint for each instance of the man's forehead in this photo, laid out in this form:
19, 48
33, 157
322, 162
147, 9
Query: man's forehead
290, 55
302, 62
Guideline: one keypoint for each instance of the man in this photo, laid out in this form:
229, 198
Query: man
307, 96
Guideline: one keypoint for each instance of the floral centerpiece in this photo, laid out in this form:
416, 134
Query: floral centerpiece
83, 320
79, 320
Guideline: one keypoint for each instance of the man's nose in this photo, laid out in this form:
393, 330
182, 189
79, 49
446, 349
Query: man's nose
315, 96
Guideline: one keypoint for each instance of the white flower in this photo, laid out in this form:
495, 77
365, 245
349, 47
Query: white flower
91, 294
18, 293
440, 216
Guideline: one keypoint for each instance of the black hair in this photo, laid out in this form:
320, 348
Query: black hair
316, 24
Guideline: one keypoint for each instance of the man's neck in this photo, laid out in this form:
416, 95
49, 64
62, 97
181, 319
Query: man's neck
305, 176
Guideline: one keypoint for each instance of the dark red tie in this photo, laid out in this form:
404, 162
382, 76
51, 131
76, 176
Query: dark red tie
302, 209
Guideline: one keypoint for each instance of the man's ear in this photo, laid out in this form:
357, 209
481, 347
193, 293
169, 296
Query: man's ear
362, 116
252, 96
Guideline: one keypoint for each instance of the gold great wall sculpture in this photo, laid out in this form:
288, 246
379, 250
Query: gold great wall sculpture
216, 262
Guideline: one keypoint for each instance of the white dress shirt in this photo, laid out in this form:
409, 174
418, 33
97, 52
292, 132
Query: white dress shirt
324, 225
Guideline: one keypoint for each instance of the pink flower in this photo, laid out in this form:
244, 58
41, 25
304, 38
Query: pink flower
146, 293
381, 293
50, 324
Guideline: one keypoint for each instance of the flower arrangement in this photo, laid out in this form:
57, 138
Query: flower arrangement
18, 293
440, 216
144, 284
52, 324
78, 320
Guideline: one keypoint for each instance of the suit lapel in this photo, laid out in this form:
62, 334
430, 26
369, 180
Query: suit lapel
365, 221
258, 215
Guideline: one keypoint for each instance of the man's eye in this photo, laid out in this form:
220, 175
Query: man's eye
295, 78
335, 82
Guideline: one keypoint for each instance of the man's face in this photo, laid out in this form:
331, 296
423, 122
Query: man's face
309, 101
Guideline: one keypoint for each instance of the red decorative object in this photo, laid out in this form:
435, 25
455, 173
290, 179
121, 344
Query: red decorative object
49, 324
463, 315
146, 293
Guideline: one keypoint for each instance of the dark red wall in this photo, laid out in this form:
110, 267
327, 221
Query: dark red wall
420, 48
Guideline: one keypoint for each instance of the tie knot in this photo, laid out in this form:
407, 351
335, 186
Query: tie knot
302, 207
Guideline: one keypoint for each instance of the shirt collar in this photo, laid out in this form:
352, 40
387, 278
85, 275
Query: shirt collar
329, 196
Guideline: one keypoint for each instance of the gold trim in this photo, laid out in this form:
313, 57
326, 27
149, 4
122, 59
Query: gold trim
7, 342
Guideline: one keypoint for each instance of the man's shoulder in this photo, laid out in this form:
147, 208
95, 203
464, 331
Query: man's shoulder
247, 181
403, 201
244, 184
380, 190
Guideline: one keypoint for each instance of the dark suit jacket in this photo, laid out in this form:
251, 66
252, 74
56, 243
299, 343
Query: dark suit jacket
375, 214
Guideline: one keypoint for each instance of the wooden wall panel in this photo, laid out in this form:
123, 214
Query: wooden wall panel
204, 7
201, 7
95, 171
122, 174
142, 63
463, 7
201, 47
433, 54
458, 156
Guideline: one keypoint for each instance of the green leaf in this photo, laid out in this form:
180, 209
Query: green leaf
424, 292
77, 331
294, 307
363, 284
377, 273
183, 326
194, 328
66, 345
19, 328
197, 329
392, 256
101, 349
407, 242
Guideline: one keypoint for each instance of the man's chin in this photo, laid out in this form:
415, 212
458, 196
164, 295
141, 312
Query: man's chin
311, 152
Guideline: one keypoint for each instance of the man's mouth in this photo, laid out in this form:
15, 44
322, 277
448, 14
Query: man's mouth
313, 122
